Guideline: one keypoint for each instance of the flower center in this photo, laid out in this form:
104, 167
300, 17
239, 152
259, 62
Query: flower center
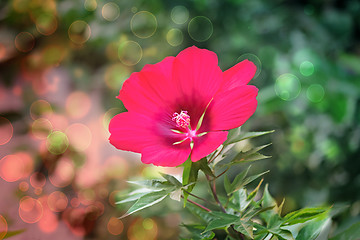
182, 120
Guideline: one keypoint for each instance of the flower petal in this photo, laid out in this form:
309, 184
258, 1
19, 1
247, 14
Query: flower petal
151, 89
166, 155
198, 77
197, 73
231, 109
238, 75
131, 131
206, 144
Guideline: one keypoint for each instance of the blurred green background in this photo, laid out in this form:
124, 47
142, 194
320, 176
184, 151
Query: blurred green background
63, 62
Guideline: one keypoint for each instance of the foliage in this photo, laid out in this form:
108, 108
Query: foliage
238, 213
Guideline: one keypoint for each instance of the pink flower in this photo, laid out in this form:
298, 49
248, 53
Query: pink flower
167, 101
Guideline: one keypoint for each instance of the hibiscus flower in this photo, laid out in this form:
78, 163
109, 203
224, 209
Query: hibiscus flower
182, 106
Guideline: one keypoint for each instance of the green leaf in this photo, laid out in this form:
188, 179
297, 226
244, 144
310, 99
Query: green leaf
221, 220
238, 181
248, 180
240, 197
303, 215
204, 166
205, 216
247, 135
146, 201
197, 232
12, 233
245, 227
227, 184
352, 233
153, 184
172, 180
314, 228
134, 195
249, 156
268, 201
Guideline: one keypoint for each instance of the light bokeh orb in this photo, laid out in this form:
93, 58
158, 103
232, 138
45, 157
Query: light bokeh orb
6, 130
143, 24
287, 87
200, 28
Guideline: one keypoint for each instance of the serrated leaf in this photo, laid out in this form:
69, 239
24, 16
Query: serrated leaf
145, 201
303, 215
254, 192
352, 233
237, 183
249, 156
221, 220
248, 180
205, 216
197, 232
248, 135
240, 197
245, 227
12, 233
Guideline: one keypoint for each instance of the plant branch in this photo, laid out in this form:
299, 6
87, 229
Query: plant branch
214, 157
195, 196
197, 204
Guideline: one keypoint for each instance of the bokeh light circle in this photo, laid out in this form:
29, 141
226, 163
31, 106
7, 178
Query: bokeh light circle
57, 142
16, 166
179, 14
37, 180
315, 93
3, 227
23, 186
79, 32
110, 11
30, 210
40, 108
46, 24
115, 226
200, 28
108, 116
78, 104
143, 229
306, 68
130, 53
41, 128
143, 24
24, 42
6, 130
90, 5
49, 221
64, 173
115, 75
79, 136
174, 37
57, 201
287, 87
254, 59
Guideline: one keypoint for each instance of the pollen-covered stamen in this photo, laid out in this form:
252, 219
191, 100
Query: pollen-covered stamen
182, 120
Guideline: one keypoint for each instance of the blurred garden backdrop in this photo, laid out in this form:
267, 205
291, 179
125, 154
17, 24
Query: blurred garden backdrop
62, 63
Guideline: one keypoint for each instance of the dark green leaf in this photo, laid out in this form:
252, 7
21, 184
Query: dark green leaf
227, 184
352, 233
268, 201
197, 232
221, 220
205, 167
205, 216
146, 201
238, 181
245, 227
